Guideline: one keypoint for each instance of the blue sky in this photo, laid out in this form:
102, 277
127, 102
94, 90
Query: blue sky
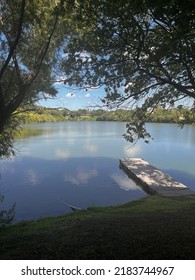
74, 99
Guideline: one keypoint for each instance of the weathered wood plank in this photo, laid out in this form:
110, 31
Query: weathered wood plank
152, 179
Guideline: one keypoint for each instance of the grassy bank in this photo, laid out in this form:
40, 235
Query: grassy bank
153, 227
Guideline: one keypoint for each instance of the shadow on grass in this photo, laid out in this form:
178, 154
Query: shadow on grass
164, 230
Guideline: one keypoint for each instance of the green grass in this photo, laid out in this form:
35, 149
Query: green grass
154, 227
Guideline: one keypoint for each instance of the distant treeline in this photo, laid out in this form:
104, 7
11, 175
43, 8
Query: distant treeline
173, 115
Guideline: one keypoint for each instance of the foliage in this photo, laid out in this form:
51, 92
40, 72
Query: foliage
117, 115
6, 216
30, 39
38, 117
179, 115
141, 50
7, 137
39, 114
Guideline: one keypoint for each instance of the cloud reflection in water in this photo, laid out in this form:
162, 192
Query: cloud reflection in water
62, 154
81, 176
132, 150
91, 148
125, 183
31, 177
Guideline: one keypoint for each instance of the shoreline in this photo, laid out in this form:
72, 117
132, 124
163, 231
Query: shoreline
153, 227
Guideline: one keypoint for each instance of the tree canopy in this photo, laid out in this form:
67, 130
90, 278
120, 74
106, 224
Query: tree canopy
29, 47
142, 51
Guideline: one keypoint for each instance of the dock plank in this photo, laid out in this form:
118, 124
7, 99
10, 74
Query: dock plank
152, 179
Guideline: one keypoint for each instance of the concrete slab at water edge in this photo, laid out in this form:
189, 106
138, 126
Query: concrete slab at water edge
152, 179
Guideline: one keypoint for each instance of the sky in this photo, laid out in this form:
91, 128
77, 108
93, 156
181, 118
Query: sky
74, 99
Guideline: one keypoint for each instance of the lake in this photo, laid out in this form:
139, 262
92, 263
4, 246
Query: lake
77, 163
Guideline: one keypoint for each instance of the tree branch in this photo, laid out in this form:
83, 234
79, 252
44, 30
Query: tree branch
15, 43
9, 85
45, 51
2, 102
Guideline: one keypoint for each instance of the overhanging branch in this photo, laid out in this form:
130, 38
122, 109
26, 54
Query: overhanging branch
45, 51
15, 43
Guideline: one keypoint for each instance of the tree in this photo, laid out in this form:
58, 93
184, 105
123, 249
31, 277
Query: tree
30, 39
142, 51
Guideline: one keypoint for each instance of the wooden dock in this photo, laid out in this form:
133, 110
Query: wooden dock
152, 179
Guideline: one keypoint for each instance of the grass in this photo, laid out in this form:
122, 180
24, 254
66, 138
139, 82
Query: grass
154, 227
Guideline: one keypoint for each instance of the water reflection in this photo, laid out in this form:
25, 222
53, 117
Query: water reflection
40, 187
90, 147
78, 162
62, 154
165, 132
80, 176
125, 183
26, 133
134, 150
31, 177
7, 215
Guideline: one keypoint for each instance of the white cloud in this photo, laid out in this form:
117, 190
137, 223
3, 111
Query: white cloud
60, 80
46, 95
70, 95
92, 88
81, 176
87, 95
84, 56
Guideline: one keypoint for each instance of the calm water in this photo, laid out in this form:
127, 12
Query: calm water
78, 163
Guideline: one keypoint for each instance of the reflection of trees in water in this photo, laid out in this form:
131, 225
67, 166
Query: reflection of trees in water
6, 216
